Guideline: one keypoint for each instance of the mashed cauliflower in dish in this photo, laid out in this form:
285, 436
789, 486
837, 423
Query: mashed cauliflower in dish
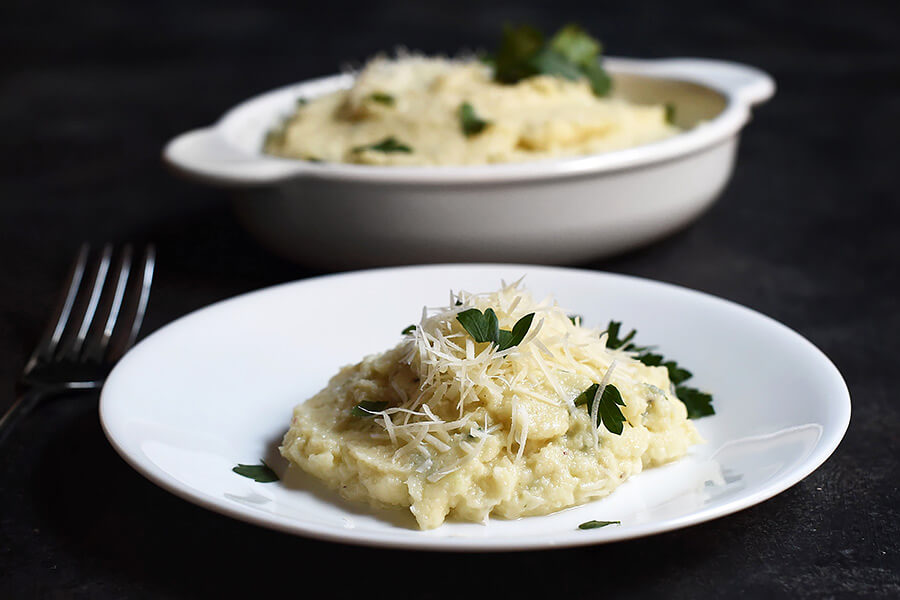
456, 428
416, 102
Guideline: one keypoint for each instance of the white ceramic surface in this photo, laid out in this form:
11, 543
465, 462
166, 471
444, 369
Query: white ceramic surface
216, 388
552, 211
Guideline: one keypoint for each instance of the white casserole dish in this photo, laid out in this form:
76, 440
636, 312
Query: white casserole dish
550, 211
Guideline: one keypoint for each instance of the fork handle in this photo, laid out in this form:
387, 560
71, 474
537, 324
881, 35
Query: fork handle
25, 401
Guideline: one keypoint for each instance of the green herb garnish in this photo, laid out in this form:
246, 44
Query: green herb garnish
550, 62
676, 373
670, 113
573, 43
408, 329
608, 412
699, 404
368, 408
508, 339
302, 101
470, 122
576, 319
484, 327
382, 98
613, 341
571, 53
261, 473
388, 145
597, 524
517, 46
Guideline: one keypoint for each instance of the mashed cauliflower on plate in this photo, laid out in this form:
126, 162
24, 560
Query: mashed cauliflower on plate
416, 102
455, 428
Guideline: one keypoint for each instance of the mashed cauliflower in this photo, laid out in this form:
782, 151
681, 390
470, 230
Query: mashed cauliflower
460, 429
416, 102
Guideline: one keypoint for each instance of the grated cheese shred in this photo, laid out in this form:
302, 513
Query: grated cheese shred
452, 366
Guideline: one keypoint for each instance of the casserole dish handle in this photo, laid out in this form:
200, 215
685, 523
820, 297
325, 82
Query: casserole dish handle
205, 155
745, 83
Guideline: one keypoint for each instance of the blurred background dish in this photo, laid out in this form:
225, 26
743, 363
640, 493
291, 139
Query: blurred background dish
551, 211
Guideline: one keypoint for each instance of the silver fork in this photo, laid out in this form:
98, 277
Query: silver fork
97, 320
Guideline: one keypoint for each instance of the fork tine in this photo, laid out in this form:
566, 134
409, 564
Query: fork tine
136, 296
101, 331
81, 310
118, 295
146, 280
93, 301
47, 347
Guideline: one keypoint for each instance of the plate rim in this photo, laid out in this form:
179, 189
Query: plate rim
823, 449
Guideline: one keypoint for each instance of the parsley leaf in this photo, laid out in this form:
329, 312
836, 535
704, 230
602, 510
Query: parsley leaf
608, 413
571, 53
650, 359
670, 113
576, 45
676, 373
612, 336
508, 339
261, 473
408, 329
601, 82
517, 46
625, 344
550, 62
484, 327
387, 145
470, 122
587, 395
597, 524
699, 404
368, 408
382, 98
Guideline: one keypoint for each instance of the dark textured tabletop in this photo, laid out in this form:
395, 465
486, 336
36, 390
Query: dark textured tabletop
808, 232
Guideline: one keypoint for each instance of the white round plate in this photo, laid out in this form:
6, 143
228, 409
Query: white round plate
217, 387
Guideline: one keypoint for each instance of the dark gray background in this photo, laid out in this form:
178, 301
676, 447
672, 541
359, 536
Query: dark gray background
807, 232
